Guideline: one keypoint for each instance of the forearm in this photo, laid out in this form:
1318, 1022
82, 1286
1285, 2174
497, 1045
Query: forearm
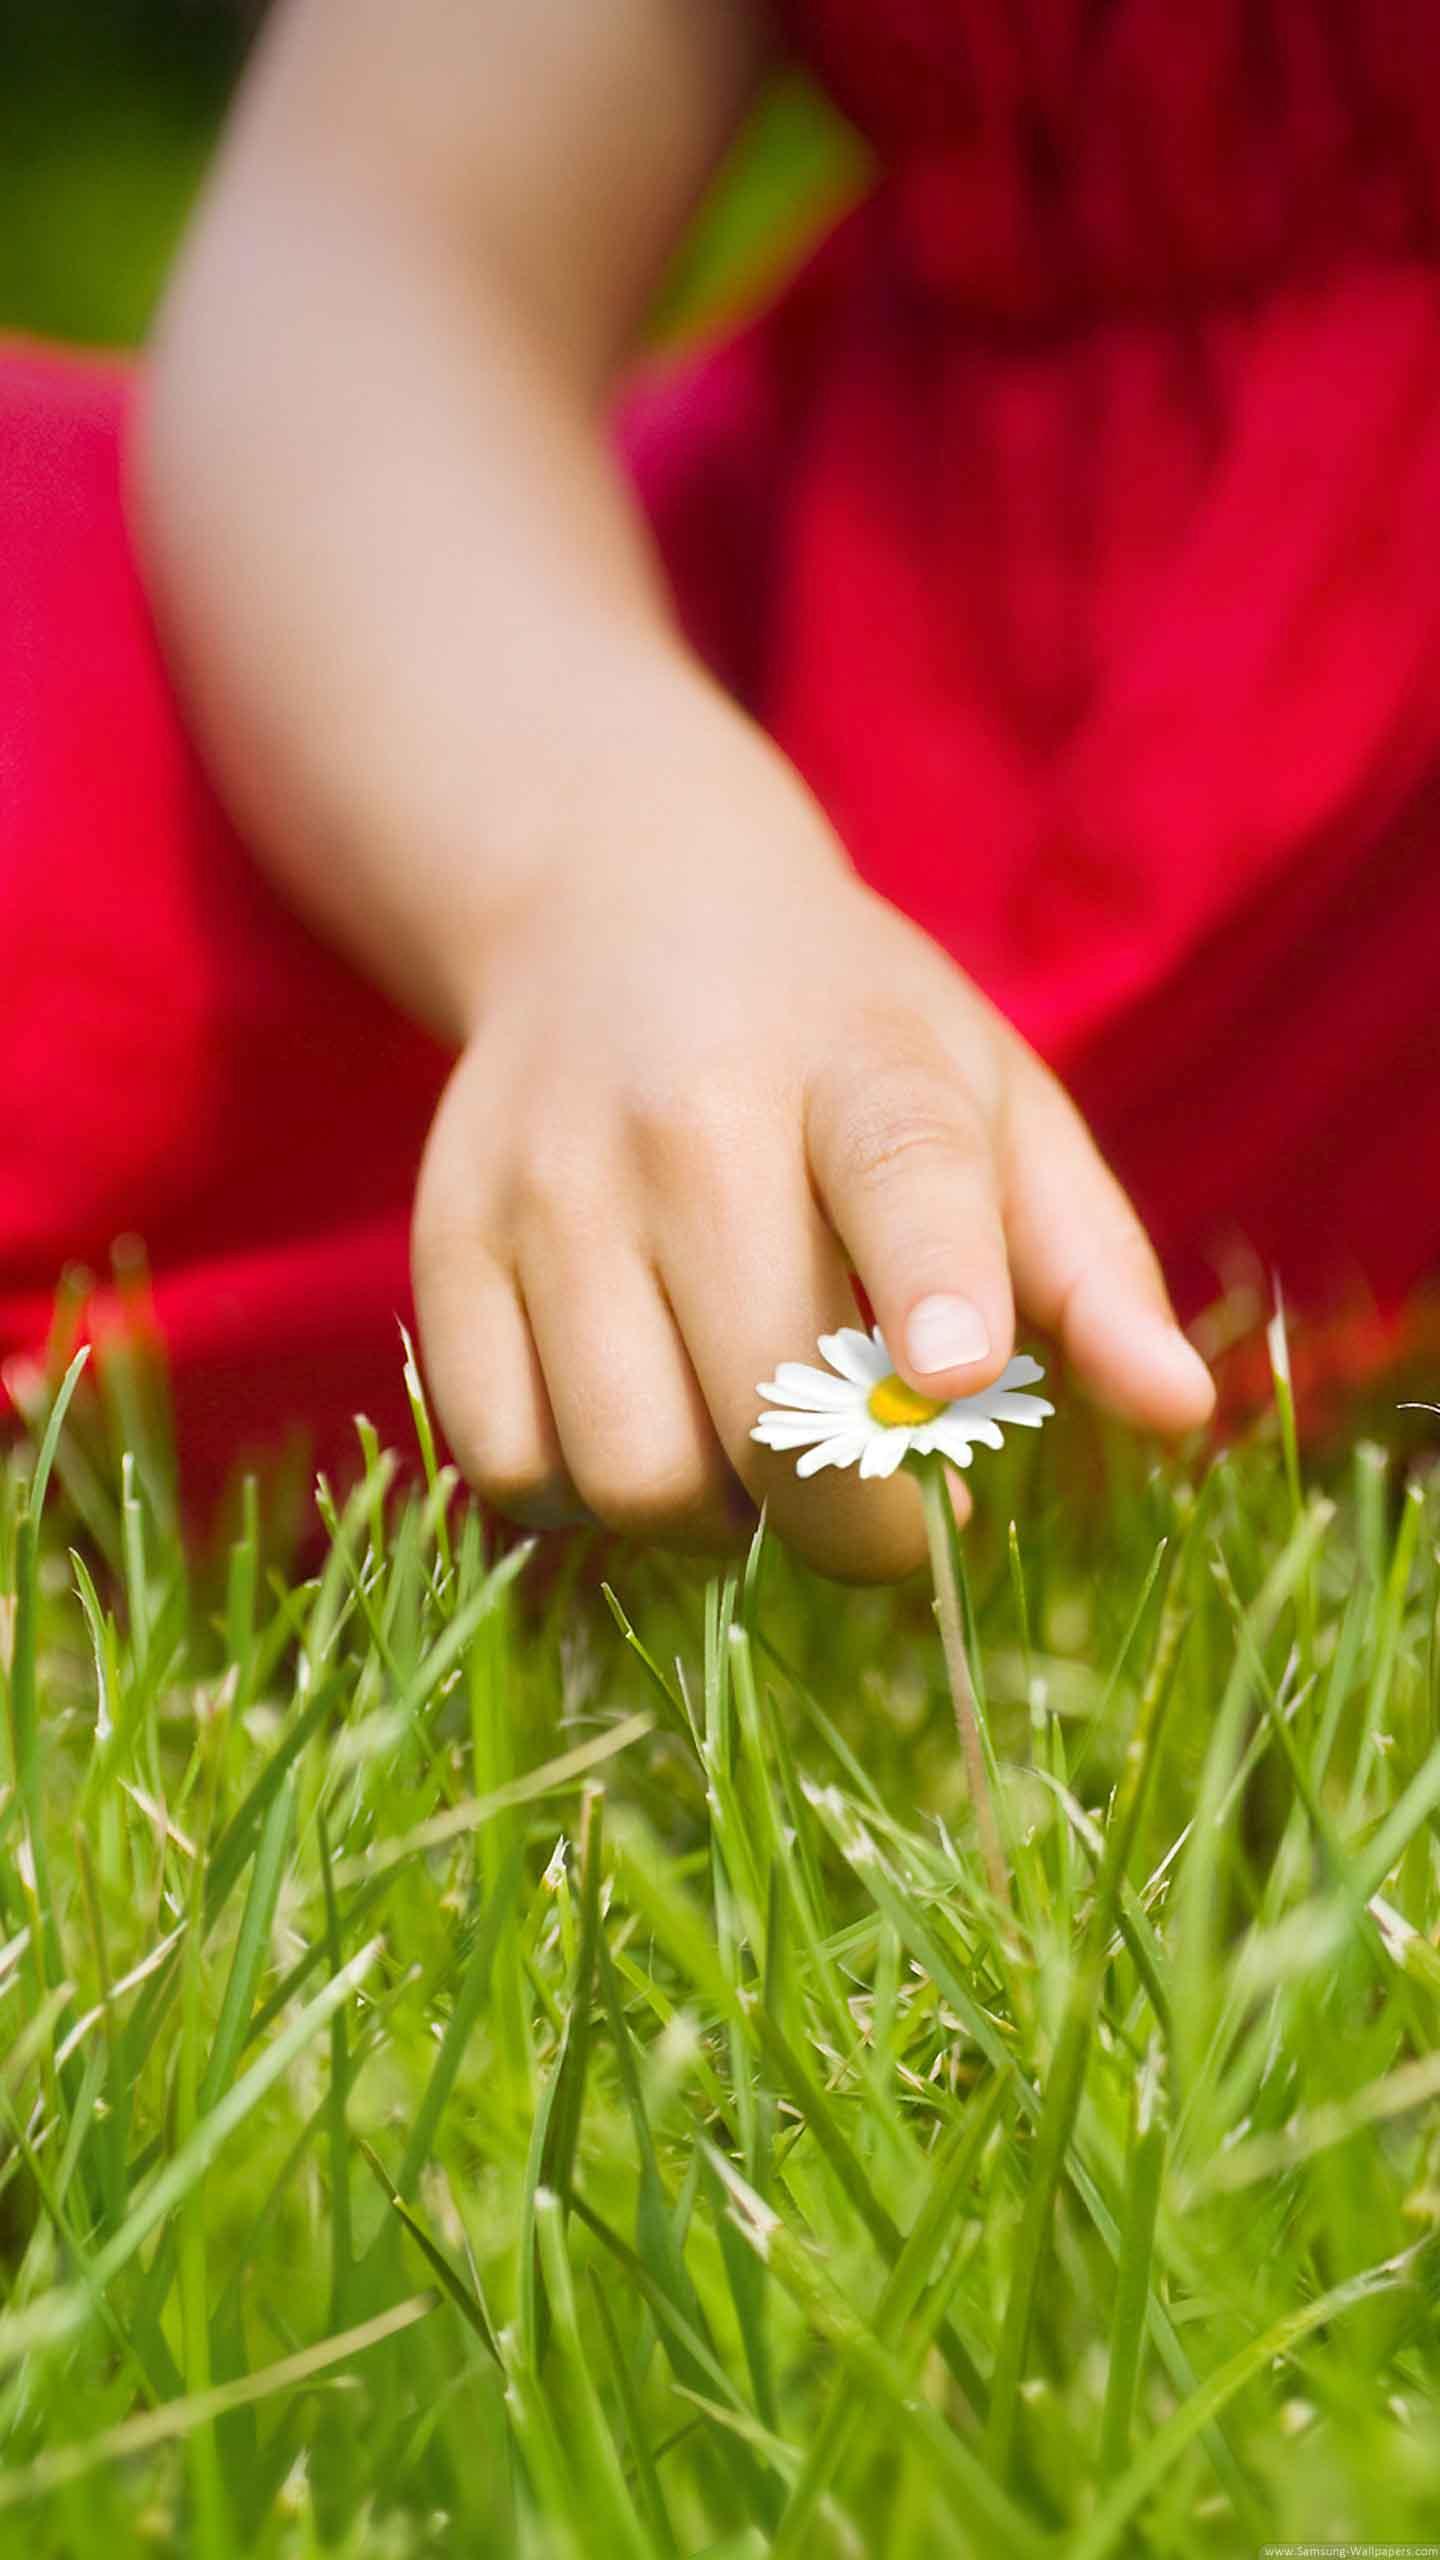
409, 598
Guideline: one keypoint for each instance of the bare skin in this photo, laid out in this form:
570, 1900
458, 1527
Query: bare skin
702, 1071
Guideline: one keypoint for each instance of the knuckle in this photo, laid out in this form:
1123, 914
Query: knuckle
501, 1477
1093, 1274
882, 1543
668, 1497
440, 1236
512, 1471
681, 1126
555, 1189
1136, 1258
1116, 1236
534, 1496
1032, 1107
1135, 1248
888, 1135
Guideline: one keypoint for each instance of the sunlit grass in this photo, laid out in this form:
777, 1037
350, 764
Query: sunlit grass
485, 2070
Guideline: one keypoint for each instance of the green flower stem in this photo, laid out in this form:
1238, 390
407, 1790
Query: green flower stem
940, 1529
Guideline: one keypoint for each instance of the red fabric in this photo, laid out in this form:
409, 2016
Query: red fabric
1099, 596
1074, 522
1140, 717
1058, 160
179, 1056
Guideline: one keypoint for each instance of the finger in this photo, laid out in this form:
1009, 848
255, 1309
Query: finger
903, 1161
637, 1437
1086, 1271
485, 1380
755, 1277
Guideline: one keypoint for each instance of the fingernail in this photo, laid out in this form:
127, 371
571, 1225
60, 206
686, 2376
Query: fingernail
944, 1333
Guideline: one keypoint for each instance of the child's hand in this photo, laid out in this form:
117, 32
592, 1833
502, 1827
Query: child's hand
429, 658
691, 1094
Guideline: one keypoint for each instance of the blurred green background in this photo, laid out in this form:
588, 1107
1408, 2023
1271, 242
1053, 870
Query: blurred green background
108, 110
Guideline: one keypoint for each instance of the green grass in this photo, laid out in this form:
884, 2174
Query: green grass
485, 2071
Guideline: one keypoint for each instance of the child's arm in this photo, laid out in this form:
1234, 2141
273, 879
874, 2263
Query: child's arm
424, 641
405, 589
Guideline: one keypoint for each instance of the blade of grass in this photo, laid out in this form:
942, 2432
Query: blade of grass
1149, 2466
176, 2418
63, 2315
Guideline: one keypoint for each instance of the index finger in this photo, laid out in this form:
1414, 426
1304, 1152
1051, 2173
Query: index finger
753, 1283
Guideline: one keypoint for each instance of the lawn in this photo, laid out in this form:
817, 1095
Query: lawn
516, 2052
523, 2053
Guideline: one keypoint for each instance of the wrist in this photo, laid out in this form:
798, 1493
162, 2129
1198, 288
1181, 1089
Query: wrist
664, 795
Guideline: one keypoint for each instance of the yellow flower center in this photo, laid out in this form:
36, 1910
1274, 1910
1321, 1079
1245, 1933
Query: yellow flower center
898, 1406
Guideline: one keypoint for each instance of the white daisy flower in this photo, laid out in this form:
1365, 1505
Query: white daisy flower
865, 1411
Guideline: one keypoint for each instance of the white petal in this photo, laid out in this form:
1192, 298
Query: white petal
884, 1452
841, 1451
856, 1356
793, 1430
1002, 1405
782, 1419
947, 1440
966, 1427
979, 1426
1031, 1410
1000, 1402
813, 1390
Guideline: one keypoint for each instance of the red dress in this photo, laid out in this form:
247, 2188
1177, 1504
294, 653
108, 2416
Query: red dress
1074, 523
